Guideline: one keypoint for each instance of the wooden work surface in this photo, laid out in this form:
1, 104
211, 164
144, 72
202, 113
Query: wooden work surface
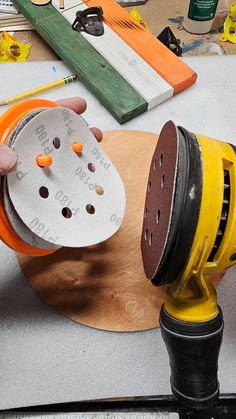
157, 15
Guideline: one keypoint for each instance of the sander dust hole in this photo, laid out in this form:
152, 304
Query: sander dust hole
91, 167
149, 186
145, 213
90, 209
161, 160
146, 234
154, 164
162, 181
99, 190
158, 216
43, 192
150, 239
66, 212
56, 143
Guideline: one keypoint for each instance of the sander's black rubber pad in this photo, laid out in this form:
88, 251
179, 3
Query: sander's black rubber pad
159, 199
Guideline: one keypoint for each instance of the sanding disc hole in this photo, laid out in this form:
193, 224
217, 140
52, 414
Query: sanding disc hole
99, 190
145, 213
91, 167
158, 216
161, 159
66, 212
57, 143
149, 186
154, 164
162, 181
43, 192
150, 240
146, 234
90, 209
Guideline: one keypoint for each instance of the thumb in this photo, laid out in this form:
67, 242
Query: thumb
8, 159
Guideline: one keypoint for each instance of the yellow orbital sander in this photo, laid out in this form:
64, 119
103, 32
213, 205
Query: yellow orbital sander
189, 234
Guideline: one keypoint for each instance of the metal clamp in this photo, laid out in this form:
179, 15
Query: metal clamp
89, 21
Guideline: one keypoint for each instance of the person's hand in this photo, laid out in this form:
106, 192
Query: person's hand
79, 105
8, 159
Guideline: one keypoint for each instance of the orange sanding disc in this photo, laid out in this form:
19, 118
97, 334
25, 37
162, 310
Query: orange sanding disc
9, 121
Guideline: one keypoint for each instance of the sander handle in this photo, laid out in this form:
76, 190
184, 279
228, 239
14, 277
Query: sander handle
193, 349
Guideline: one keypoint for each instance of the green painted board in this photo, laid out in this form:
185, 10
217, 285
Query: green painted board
113, 91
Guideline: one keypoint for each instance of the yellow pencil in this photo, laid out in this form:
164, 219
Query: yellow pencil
65, 80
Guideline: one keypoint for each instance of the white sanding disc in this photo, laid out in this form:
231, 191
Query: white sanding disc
17, 224
19, 227
80, 199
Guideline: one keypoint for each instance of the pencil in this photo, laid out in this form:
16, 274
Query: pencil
65, 80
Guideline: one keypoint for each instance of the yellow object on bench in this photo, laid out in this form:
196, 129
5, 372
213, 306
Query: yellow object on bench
230, 26
11, 50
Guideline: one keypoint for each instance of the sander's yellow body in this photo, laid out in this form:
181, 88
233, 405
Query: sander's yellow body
188, 236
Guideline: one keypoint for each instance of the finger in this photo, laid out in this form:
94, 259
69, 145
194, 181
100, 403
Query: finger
76, 104
97, 133
8, 160
79, 105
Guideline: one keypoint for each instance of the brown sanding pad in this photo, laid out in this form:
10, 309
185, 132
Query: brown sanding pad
104, 286
159, 199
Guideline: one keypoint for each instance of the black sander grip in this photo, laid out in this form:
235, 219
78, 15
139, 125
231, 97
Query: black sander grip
193, 350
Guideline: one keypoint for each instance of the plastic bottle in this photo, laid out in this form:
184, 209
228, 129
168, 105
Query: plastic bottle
199, 15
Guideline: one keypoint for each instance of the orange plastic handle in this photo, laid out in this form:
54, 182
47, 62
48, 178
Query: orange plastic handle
7, 122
